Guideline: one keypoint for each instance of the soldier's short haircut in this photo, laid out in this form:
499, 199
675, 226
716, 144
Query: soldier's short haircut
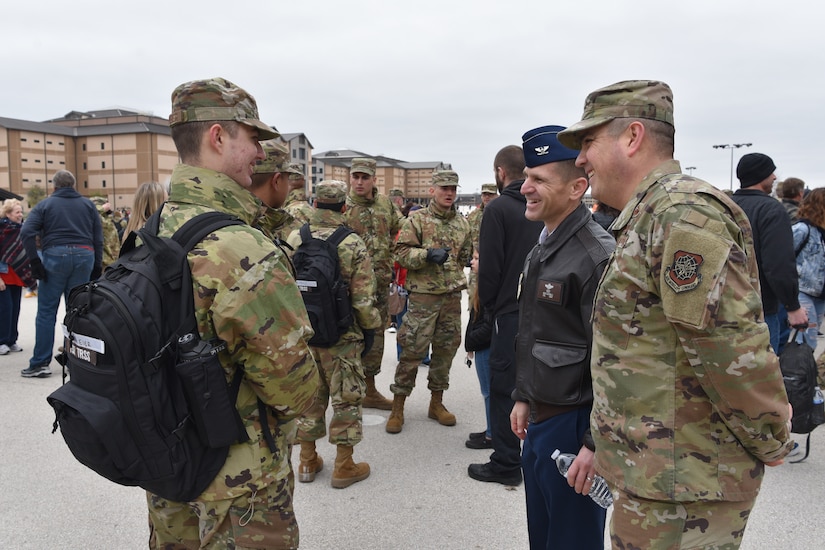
63, 178
189, 136
260, 178
568, 170
792, 188
661, 134
511, 159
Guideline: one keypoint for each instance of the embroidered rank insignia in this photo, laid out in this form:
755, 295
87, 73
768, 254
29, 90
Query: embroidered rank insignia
683, 274
550, 291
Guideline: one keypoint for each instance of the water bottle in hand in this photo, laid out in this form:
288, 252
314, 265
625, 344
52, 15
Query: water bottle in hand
599, 491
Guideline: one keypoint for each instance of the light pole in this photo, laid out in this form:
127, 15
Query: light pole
732, 146
690, 170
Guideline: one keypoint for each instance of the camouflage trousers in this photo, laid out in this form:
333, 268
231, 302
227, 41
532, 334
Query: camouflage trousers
343, 385
641, 524
431, 319
262, 519
372, 360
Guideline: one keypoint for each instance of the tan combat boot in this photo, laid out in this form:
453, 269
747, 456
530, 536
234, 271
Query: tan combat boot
346, 471
396, 419
310, 464
439, 412
373, 398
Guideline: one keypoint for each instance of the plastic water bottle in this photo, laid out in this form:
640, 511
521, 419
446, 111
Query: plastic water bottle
599, 491
819, 399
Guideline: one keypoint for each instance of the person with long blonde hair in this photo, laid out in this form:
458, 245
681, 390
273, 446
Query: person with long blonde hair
148, 198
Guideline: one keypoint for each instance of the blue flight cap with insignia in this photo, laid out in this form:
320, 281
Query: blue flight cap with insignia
542, 146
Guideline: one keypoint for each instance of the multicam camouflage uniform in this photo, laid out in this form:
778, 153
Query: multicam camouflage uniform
434, 307
375, 221
296, 205
111, 243
245, 295
689, 400
340, 365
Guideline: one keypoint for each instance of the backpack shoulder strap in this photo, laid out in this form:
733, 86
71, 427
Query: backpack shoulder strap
196, 229
306, 233
807, 236
339, 235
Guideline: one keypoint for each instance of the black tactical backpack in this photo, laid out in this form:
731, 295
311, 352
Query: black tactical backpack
147, 403
325, 293
799, 374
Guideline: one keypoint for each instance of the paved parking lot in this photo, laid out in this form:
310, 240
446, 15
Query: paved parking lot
418, 496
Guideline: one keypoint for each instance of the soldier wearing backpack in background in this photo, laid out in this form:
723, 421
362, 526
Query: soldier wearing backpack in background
343, 380
246, 296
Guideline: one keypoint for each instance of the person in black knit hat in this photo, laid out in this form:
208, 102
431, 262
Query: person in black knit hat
773, 243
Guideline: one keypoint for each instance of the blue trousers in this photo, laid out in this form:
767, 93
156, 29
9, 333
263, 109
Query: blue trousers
482, 361
557, 516
9, 313
66, 267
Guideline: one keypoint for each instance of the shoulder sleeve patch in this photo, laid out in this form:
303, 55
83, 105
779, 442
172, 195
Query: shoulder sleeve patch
693, 263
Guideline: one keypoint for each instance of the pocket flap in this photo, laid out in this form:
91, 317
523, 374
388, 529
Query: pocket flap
555, 355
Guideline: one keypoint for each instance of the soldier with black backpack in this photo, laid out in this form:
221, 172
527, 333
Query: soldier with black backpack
335, 275
246, 297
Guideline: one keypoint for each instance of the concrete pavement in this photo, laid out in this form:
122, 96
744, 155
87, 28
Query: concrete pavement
418, 496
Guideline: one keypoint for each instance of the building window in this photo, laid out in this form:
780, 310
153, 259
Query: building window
302, 153
102, 146
24, 139
294, 154
103, 164
61, 144
25, 180
104, 183
48, 142
38, 181
84, 165
62, 162
49, 162
37, 161
83, 147
85, 184
37, 141
24, 160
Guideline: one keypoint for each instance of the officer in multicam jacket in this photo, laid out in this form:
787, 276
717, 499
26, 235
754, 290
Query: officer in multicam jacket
341, 372
434, 245
296, 204
270, 184
373, 217
111, 244
246, 296
689, 403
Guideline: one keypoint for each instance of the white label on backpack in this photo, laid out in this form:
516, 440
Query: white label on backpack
304, 285
87, 342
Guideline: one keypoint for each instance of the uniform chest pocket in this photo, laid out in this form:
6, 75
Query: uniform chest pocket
567, 367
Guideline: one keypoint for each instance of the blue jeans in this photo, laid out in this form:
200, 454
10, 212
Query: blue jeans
66, 267
815, 308
482, 359
9, 313
774, 329
558, 517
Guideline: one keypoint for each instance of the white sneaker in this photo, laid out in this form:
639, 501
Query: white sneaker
796, 451
15, 347
4, 349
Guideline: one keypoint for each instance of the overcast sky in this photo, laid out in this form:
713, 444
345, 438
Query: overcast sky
438, 80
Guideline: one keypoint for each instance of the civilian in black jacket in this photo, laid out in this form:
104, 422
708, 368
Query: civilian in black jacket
773, 243
505, 239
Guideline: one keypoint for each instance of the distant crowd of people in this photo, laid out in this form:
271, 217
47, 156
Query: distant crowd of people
641, 336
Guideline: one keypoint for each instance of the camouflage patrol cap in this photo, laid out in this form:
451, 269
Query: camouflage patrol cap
216, 99
489, 188
649, 99
296, 172
363, 166
396, 193
445, 178
276, 157
98, 200
331, 192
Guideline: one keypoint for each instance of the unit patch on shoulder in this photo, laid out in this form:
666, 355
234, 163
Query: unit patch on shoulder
550, 291
683, 274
